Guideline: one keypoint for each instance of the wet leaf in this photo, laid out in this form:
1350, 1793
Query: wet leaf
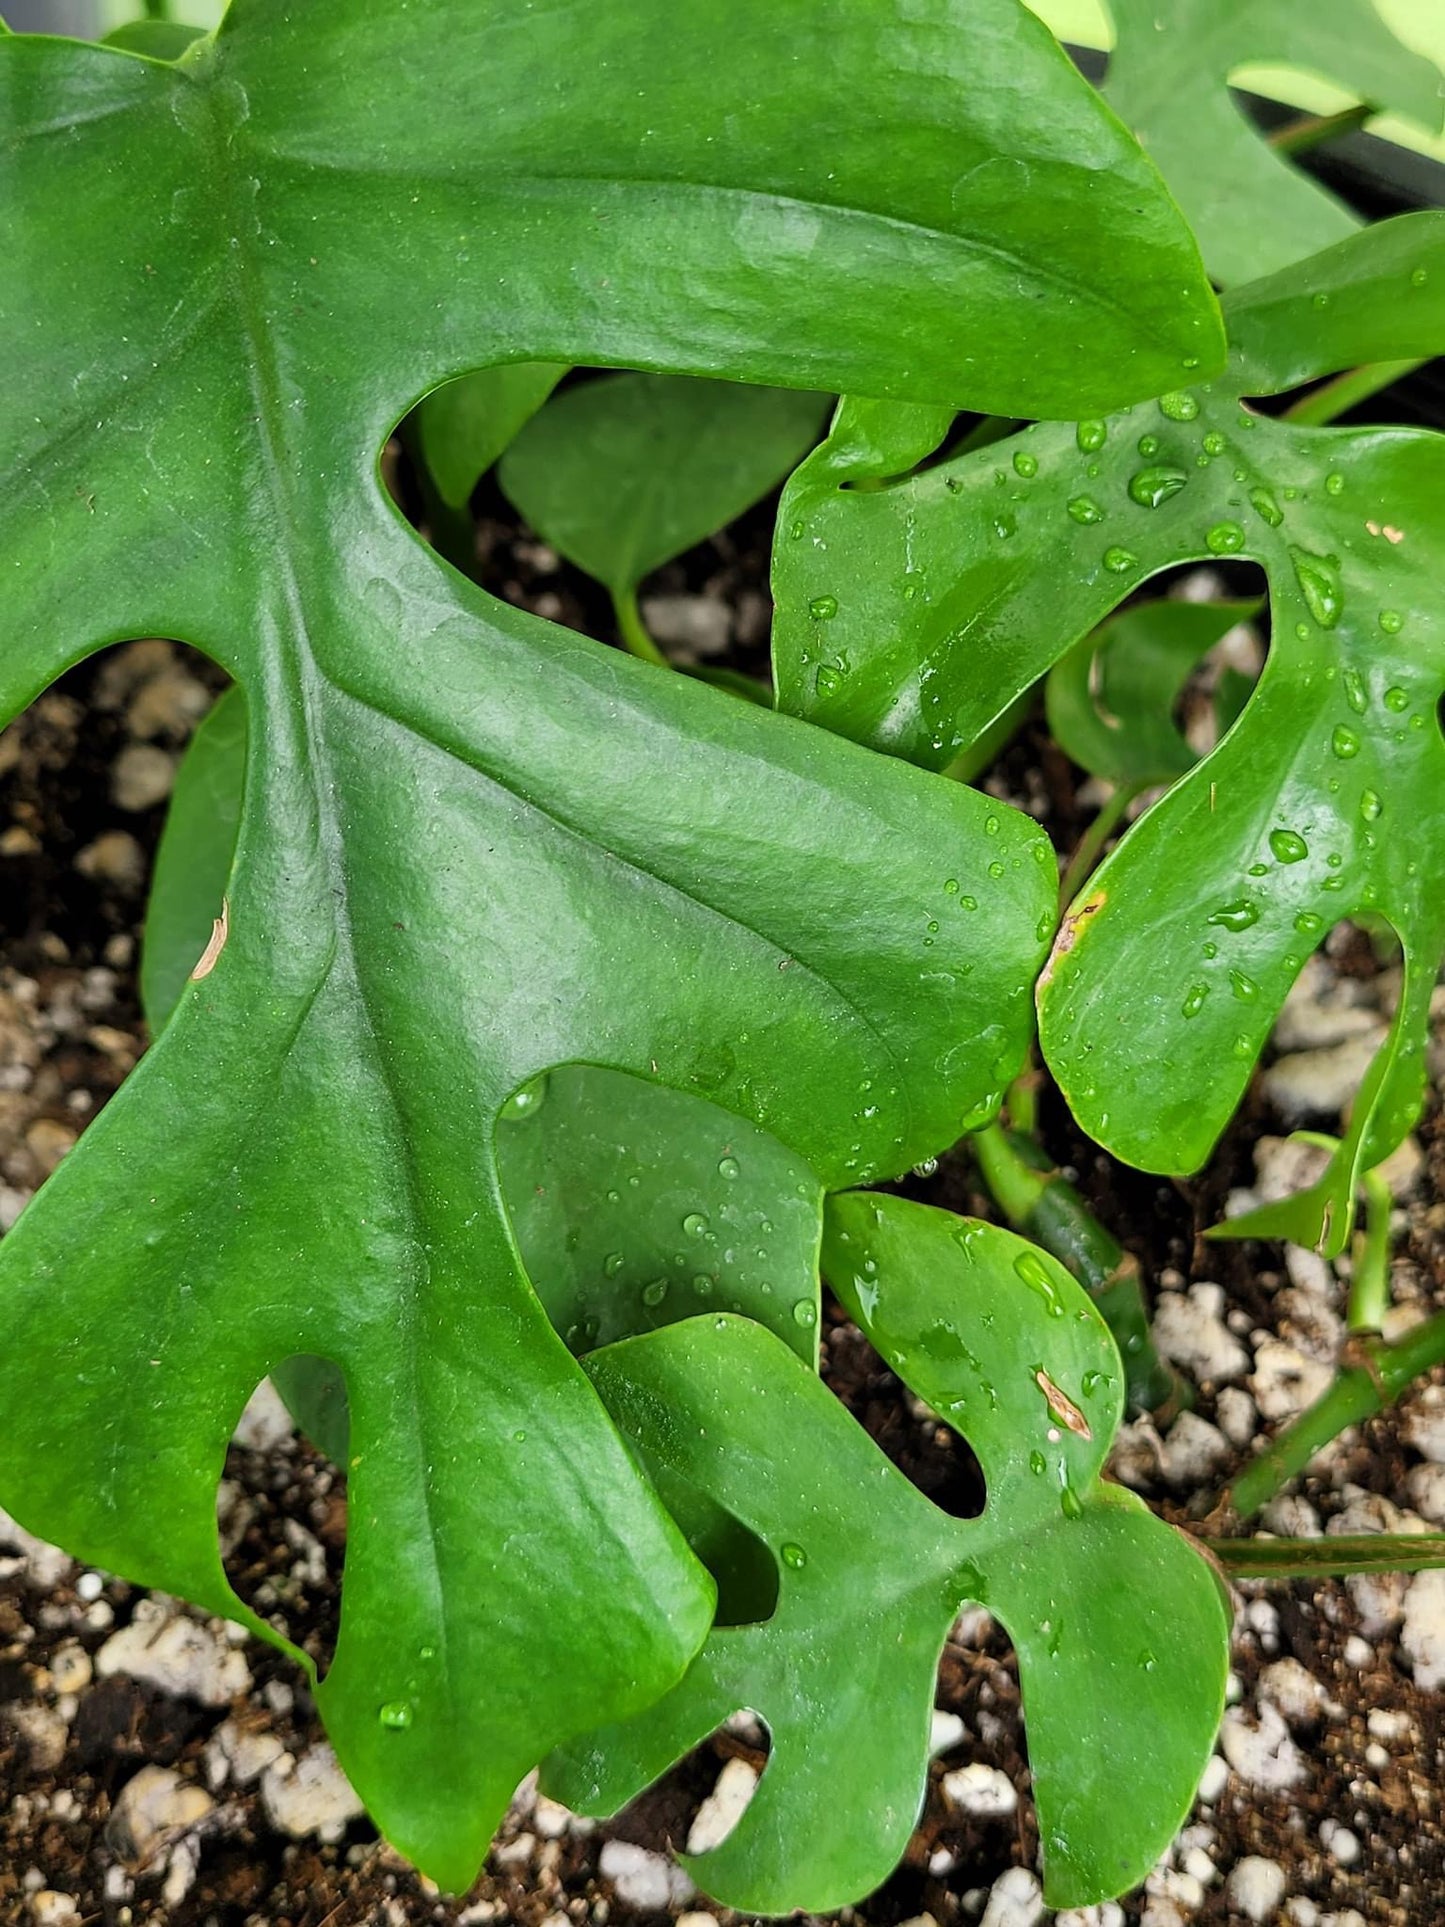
1120, 1626
1254, 210
956, 588
475, 846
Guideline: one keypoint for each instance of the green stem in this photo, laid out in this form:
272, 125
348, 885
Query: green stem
1334, 398
1370, 1287
632, 629
1359, 1392
1047, 1208
157, 9
1313, 130
1333, 1558
1089, 846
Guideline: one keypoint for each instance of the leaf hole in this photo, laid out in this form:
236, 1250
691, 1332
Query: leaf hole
281, 1507
927, 1451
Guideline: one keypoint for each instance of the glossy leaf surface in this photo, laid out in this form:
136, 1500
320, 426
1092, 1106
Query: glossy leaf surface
1253, 210
464, 425
476, 847
1110, 702
950, 592
623, 473
1120, 1627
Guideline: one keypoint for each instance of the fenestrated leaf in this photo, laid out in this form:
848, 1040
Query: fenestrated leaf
953, 590
476, 847
623, 473
1253, 210
1110, 702
1120, 1626
464, 425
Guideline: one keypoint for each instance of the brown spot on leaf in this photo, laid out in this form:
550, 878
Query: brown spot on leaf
1069, 932
1062, 1406
220, 930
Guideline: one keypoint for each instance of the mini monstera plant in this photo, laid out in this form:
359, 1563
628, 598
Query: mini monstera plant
530, 1019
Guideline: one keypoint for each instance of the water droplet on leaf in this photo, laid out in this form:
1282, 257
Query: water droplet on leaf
1288, 846
1236, 916
1179, 406
823, 608
1083, 508
1150, 487
1225, 538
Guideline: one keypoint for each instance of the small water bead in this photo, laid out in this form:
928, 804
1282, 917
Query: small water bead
1334, 859
1214, 443
520, 1438
1309, 923
996, 871
1225, 538
1179, 406
1334, 483
523, 1102
1150, 487
729, 1168
1302, 632
1259, 869
1418, 277
1038, 1464
1344, 742
1084, 509
1356, 694
823, 608
1148, 446
805, 1313
1244, 988
426, 1652
653, 1294
827, 679
1397, 699
1004, 526
1025, 464
793, 1556
968, 903
1265, 507
695, 1225
612, 1264
1371, 806
1091, 436
1322, 300
1070, 1503
1236, 916
1209, 951
796, 531
396, 1715
991, 826
1120, 561
1288, 846
1319, 585
1391, 621
1194, 1000
702, 1283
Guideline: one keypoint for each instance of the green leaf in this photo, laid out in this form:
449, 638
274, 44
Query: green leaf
155, 39
1253, 210
1120, 1626
464, 425
1110, 701
193, 862
476, 847
954, 589
622, 474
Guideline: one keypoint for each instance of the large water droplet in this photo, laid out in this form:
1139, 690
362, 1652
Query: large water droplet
1038, 1464
1288, 846
653, 1294
805, 1313
1083, 508
1194, 1000
793, 1555
1091, 436
1397, 699
1344, 742
612, 1264
1151, 486
1244, 988
1370, 805
1265, 507
1070, 1502
1391, 621
1356, 694
728, 1168
1334, 483
1236, 916
1225, 538
1148, 446
1120, 561
396, 1714
1032, 1269
523, 1102
827, 681
1025, 464
695, 1224
1213, 443
1319, 585
1309, 923
1179, 406
823, 608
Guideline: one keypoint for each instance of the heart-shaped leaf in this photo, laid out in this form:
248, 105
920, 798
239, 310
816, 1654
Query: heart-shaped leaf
476, 847
464, 425
1253, 210
954, 589
1120, 1626
1110, 701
